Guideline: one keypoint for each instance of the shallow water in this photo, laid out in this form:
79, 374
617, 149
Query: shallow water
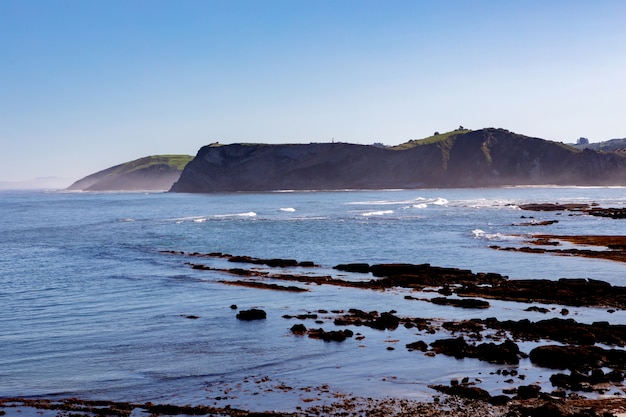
93, 308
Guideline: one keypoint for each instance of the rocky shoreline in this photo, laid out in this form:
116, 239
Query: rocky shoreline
585, 364
454, 404
584, 358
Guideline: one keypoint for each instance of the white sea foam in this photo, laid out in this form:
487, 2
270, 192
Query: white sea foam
420, 206
288, 209
481, 234
247, 214
202, 219
189, 218
377, 213
416, 201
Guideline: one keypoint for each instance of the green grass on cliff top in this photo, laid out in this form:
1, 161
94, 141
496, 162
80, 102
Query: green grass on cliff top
431, 139
177, 162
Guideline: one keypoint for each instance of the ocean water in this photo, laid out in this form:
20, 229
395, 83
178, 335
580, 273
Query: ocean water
93, 308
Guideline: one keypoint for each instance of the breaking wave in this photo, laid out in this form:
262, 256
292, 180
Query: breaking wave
419, 201
377, 213
247, 214
202, 219
481, 234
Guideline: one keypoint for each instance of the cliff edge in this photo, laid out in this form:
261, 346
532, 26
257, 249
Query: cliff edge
482, 158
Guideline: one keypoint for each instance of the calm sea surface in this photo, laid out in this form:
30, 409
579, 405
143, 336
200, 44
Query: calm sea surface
91, 306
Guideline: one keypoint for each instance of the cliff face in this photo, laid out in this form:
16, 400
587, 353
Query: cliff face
487, 157
152, 173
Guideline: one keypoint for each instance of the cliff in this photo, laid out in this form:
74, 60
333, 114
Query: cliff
481, 158
151, 173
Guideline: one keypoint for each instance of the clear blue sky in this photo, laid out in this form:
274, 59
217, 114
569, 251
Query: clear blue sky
85, 85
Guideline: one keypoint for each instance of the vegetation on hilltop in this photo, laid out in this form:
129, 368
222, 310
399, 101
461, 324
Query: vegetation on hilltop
148, 173
435, 138
177, 162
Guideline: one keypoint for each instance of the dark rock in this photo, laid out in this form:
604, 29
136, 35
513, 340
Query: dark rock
276, 263
460, 302
499, 400
282, 263
445, 290
505, 353
252, 314
456, 347
553, 207
264, 285
470, 326
578, 381
386, 321
419, 345
541, 223
508, 352
538, 309
357, 267
464, 391
580, 358
563, 330
564, 291
307, 316
526, 392
333, 335
298, 329
548, 409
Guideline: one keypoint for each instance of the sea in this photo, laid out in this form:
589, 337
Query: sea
94, 304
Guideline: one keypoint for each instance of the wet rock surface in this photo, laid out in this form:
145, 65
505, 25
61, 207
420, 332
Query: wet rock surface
505, 353
460, 302
464, 283
461, 400
562, 330
570, 292
590, 209
578, 358
589, 358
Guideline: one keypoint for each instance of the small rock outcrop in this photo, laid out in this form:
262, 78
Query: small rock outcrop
252, 314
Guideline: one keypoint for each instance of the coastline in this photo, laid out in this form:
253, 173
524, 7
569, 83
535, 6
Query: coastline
451, 406
445, 286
